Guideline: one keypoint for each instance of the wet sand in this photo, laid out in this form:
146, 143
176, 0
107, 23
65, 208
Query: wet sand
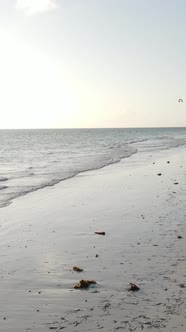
46, 233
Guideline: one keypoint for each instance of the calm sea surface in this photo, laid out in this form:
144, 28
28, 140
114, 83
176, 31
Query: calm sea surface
33, 159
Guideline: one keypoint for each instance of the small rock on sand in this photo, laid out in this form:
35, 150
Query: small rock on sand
133, 287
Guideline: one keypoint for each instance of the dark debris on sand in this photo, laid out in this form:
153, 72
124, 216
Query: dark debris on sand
100, 233
77, 269
84, 284
133, 287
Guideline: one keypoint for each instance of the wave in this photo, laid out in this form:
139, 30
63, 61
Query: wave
53, 182
3, 179
3, 187
138, 141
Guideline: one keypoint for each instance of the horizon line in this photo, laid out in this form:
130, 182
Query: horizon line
70, 128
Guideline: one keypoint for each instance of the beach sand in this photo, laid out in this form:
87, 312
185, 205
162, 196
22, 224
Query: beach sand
45, 233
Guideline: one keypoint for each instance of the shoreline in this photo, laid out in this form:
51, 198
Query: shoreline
44, 234
55, 182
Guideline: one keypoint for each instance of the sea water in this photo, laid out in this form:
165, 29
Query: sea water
33, 159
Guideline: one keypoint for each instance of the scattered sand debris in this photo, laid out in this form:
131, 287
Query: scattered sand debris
84, 284
77, 269
100, 233
159, 174
133, 287
179, 237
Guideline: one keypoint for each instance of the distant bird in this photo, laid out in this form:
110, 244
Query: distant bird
180, 100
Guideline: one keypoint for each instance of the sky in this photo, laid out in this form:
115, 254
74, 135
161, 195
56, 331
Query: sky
92, 63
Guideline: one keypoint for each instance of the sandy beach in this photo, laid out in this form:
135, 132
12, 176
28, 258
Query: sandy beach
45, 233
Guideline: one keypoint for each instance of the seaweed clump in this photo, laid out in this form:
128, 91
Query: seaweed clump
77, 269
84, 284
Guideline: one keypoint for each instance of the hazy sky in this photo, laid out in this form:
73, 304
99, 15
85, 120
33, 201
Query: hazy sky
92, 63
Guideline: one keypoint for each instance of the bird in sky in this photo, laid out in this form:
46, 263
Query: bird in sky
180, 100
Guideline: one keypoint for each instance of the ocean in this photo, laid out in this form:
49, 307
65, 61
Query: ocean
34, 159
